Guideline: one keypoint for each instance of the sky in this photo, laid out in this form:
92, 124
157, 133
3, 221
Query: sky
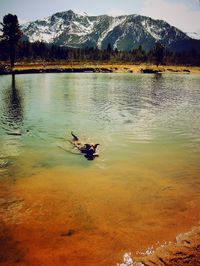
183, 14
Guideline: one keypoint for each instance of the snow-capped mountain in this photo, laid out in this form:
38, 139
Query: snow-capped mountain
194, 35
122, 32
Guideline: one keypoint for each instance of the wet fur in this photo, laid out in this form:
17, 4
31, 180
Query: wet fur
88, 150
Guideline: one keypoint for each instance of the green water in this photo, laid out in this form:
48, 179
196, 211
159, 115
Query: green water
145, 179
131, 116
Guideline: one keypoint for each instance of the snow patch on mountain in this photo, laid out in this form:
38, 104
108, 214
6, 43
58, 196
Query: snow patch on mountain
81, 29
193, 35
118, 40
77, 29
116, 21
154, 31
80, 13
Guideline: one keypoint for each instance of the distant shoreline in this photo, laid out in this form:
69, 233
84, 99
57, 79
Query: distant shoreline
77, 67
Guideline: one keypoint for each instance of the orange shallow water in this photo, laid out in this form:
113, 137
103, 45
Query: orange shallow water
68, 216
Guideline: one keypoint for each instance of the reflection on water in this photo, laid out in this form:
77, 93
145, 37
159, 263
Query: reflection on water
15, 109
144, 181
12, 115
11, 121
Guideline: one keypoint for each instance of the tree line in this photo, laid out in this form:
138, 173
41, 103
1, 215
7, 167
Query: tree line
13, 48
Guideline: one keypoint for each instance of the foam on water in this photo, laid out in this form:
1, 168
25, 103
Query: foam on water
127, 260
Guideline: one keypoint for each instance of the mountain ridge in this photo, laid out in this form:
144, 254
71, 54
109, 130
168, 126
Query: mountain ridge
123, 32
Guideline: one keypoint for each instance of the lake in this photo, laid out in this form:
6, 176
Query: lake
56, 207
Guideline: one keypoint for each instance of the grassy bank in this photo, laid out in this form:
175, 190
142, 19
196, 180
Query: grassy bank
38, 67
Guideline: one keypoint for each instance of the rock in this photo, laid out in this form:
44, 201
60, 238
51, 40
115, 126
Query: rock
70, 232
186, 251
149, 71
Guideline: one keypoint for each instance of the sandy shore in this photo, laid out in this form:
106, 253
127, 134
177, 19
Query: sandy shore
54, 67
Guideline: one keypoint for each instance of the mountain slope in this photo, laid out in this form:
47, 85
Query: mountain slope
122, 32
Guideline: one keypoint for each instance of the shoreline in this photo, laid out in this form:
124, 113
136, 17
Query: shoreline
185, 251
77, 67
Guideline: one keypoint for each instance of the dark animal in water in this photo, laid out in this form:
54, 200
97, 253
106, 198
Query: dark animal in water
89, 150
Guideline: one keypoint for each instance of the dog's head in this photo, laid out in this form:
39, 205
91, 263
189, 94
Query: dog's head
90, 152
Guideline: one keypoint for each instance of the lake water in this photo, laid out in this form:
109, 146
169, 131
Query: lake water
56, 207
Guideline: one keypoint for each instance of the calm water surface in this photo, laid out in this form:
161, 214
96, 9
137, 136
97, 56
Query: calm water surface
57, 208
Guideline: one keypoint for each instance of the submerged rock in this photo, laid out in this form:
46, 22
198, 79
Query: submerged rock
70, 232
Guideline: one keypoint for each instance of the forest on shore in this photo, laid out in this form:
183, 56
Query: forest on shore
31, 52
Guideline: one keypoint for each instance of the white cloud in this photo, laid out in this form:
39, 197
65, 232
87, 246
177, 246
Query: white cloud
177, 14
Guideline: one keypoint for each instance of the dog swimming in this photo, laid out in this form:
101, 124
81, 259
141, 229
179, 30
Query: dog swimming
87, 149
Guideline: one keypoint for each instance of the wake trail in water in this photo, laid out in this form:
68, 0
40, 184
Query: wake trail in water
67, 149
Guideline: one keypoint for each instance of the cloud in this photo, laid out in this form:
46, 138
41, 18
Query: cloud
177, 14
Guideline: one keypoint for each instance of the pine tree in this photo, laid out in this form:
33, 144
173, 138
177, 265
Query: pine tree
159, 53
11, 34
